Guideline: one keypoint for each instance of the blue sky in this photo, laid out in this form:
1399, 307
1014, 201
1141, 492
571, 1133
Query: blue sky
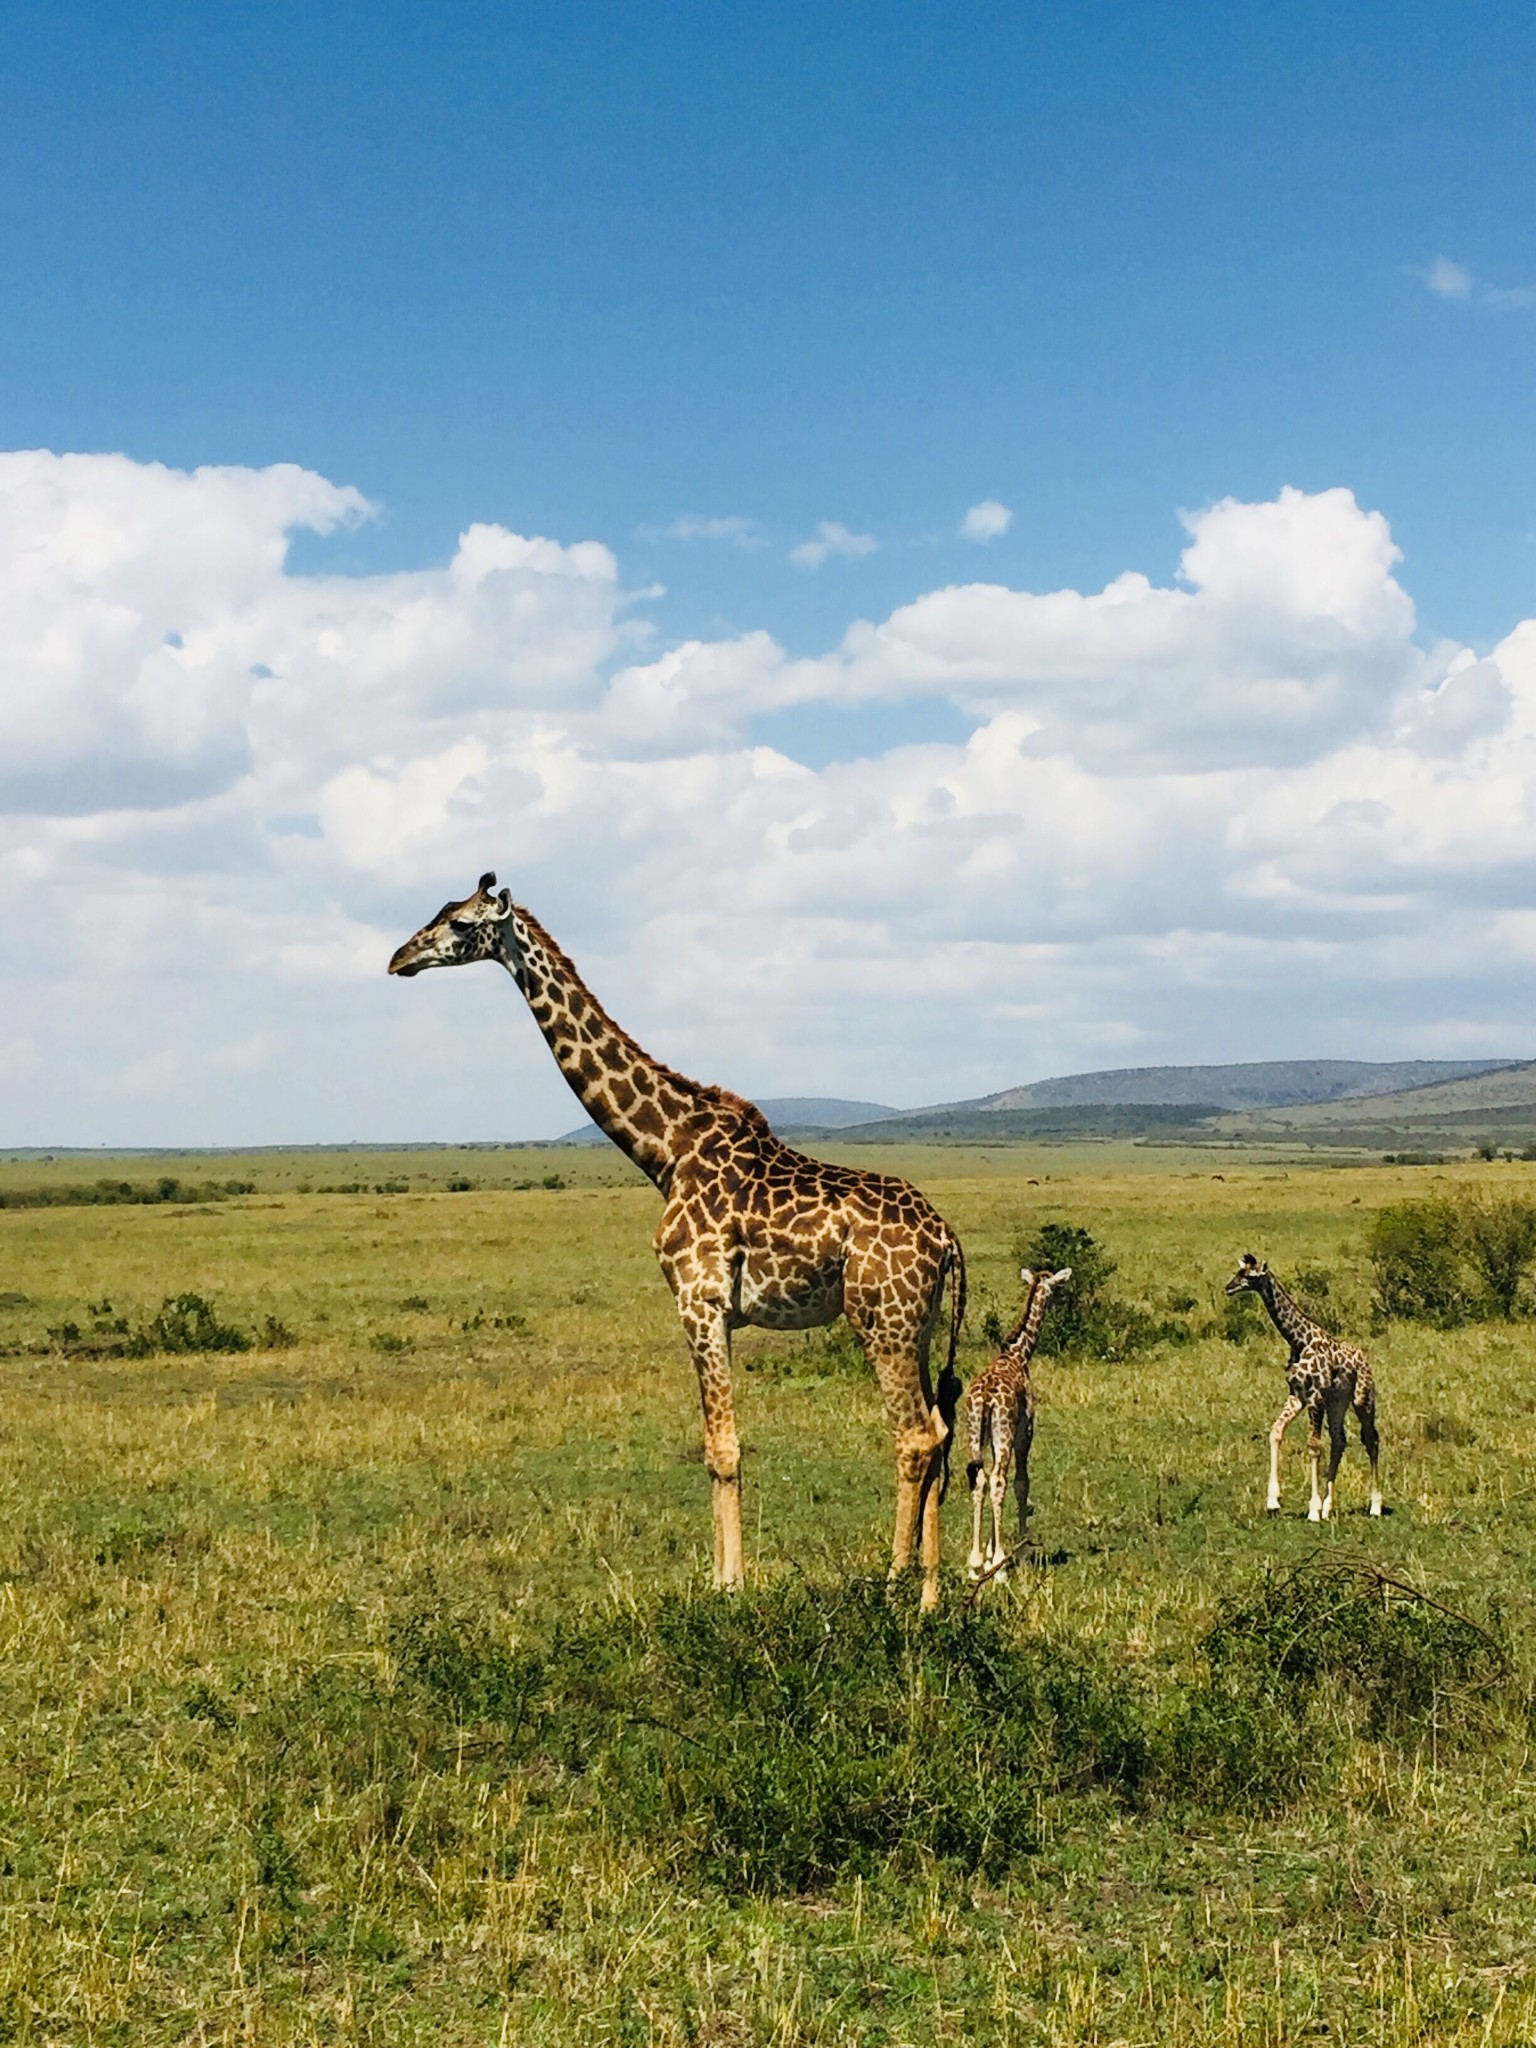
545, 438
586, 272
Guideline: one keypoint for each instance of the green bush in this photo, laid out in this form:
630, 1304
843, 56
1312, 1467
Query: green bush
1290, 1667
112, 1193
185, 1323
1241, 1319
1449, 1262
1398, 1653
1416, 1263
772, 1744
1086, 1319
781, 1741
1499, 1240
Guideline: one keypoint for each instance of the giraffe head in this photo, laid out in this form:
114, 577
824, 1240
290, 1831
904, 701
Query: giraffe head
1039, 1287
1251, 1272
460, 932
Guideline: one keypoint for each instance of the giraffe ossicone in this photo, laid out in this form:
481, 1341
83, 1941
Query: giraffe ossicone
1327, 1377
1000, 1409
752, 1232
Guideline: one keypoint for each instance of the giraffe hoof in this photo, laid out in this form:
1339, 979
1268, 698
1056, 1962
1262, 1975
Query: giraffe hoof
1272, 1512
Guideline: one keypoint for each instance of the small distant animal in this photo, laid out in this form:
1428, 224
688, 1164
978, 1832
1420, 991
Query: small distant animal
1001, 1415
1327, 1377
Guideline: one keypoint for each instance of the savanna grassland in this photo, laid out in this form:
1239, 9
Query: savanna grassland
364, 1684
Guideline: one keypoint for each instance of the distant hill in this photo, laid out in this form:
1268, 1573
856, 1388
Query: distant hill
1262, 1098
792, 1116
1498, 1099
1255, 1084
1176, 1121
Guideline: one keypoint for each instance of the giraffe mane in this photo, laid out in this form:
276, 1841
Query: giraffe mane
567, 966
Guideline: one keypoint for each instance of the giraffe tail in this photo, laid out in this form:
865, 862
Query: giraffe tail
947, 1397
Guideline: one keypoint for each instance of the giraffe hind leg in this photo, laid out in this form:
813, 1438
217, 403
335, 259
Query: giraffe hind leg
921, 1432
1002, 1460
1022, 1447
1365, 1415
1335, 1454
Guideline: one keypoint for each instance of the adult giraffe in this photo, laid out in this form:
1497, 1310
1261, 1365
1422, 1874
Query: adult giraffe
752, 1232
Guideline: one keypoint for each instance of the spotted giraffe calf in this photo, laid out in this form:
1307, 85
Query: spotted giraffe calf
1327, 1376
1002, 1417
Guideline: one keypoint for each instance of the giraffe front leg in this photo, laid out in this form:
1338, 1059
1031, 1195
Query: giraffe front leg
709, 1341
1282, 1423
1314, 1464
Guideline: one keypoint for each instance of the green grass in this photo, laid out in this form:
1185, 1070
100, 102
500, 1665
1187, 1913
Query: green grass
369, 1688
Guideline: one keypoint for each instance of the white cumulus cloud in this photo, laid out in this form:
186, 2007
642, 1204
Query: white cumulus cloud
1248, 812
830, 538
1448, 280
986, 521
733, 530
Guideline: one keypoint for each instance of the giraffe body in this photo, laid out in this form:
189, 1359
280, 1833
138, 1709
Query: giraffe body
753, 1232
1000, 1411
1327, 1377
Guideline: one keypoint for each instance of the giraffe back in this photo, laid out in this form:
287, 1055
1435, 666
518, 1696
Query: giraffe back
999, 1399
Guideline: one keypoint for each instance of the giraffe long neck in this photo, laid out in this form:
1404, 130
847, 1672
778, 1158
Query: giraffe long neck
639, 1103
1292, 1321
1022, 1338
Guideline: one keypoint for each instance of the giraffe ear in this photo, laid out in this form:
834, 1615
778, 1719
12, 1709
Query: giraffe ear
505, 901
1060, 1279
1026, 1276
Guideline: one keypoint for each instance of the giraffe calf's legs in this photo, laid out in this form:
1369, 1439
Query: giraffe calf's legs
998, 1556
1021, 1452
1314, 1463
976, 1475
1335, 1454
1282, 1423
980, 1421
1372, 1445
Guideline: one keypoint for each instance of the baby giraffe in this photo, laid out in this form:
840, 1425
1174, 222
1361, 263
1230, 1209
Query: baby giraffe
1002, 1415
1326, 1377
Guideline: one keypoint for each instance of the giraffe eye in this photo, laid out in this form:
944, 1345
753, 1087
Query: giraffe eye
462, 925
